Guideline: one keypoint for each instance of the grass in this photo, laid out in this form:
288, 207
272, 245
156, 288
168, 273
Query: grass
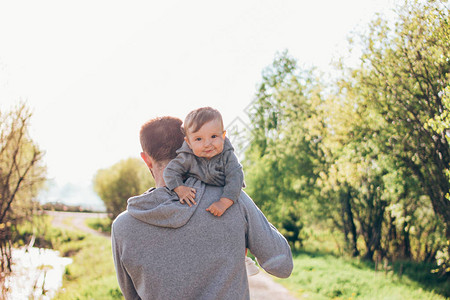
99, 224
46, 235
92, 274
319, 275
322, 271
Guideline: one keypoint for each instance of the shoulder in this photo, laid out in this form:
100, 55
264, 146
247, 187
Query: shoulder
246, 201
247, 206
123, 222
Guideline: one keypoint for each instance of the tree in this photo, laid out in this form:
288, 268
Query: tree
404, 71
124, 179
22, 174
281, 163
385, 133
368, 153
353, 187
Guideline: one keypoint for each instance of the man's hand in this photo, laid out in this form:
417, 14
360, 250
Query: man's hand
219, 207
186, 194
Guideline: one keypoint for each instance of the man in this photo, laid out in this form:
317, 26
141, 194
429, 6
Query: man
164, 249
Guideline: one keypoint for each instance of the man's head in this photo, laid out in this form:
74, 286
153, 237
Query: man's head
160, 138
204, 132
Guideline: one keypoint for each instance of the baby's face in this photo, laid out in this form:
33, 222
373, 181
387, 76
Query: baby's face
208, 140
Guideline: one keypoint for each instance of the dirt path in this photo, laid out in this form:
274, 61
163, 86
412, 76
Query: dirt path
262, 286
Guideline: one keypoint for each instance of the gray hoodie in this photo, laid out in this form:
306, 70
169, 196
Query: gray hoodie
167, 250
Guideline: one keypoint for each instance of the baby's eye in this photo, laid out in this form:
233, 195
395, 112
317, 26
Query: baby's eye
214, 136
198, 139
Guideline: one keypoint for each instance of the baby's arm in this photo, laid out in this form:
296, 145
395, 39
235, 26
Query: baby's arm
173, 177
234, 181
234, 177
219, 207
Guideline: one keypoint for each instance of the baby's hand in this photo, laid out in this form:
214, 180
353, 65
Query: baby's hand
219, 207
186, 194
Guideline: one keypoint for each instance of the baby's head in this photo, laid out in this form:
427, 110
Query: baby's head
204, 133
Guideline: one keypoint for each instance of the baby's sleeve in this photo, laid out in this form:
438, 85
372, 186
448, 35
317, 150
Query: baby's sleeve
175, 169
234, 177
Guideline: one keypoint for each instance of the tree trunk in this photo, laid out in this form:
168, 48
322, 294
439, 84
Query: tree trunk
351, 223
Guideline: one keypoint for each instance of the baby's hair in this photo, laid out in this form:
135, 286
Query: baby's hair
199, 117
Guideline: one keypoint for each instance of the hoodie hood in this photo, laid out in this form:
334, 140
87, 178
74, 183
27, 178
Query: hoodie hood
161, 207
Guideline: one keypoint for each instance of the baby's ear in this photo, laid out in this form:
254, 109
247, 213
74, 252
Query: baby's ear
224, 132
187, 142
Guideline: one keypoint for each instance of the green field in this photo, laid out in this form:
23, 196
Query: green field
325, 276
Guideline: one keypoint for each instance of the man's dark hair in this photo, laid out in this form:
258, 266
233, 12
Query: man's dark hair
161, 137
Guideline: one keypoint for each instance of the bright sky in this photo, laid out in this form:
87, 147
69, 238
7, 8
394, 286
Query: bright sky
94, 71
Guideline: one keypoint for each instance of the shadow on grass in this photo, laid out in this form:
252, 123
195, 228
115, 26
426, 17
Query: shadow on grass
422, 273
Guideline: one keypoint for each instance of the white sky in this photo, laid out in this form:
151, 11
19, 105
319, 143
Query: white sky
94, 71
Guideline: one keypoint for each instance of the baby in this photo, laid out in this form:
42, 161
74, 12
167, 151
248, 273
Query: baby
207, 155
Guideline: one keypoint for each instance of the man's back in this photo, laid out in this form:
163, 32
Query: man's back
202, 259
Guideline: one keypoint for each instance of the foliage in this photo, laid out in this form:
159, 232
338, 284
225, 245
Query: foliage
22, 174
40, 233
403, 75
402, 79
124, 179
440, 123
281, 164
